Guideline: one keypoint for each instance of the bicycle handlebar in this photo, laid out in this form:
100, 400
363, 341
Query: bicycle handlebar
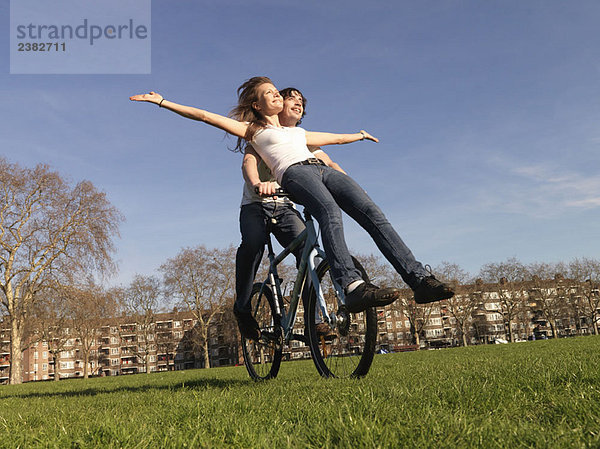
278, 192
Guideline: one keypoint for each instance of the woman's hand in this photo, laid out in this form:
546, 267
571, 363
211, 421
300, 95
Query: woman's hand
368, 136
152, 97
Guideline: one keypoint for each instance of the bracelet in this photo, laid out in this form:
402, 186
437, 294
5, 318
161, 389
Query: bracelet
159, 104
363, 134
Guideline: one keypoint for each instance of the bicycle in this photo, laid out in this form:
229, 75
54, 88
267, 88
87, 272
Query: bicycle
347, 346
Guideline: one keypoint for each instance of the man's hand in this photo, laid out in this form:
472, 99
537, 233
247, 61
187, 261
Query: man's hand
265, 188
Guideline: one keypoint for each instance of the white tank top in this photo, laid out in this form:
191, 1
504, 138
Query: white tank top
281, 147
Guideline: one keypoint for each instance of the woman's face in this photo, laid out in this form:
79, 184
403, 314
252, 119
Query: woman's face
269, 101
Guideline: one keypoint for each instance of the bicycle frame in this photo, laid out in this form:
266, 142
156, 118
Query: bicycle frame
305, 276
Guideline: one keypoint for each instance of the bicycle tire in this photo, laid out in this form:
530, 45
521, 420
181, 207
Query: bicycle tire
262, 358
349, 349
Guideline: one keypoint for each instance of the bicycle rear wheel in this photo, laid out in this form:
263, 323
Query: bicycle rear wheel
263, 357
344, 348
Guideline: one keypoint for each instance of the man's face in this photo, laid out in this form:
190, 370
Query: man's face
292, 110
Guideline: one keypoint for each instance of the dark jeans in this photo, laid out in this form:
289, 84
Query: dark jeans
323, 191
256, 222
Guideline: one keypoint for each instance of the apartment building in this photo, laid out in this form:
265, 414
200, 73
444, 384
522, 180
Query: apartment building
4, 354
123, 346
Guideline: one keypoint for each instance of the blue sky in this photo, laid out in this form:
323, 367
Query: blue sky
488, 115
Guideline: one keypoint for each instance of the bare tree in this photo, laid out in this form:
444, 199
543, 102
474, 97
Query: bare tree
463, 304
549, 300
417, 314
202, 280
587, 273
51, 322
507, 284
90, 307
47, 228
141, 302
380, 272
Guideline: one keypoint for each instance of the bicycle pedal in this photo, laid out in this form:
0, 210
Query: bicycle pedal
329, 337
300, 337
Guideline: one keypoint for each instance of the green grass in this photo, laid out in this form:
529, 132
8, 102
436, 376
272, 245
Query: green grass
535, 394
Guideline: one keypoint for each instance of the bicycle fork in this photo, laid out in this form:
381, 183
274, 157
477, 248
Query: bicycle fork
314, 279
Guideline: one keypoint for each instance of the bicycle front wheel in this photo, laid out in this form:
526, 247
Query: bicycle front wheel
263, 357
345, 346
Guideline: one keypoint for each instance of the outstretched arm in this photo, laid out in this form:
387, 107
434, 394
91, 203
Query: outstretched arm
219, 121
319, 139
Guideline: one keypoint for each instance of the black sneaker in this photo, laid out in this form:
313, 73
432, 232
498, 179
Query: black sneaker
431, 290
367, 295
247, 324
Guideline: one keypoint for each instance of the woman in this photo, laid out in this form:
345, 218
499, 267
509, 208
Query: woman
319, 188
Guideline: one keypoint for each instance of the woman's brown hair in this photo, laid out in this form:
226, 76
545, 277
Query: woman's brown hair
245, 112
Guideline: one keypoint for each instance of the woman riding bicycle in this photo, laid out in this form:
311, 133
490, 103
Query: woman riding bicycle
321, 189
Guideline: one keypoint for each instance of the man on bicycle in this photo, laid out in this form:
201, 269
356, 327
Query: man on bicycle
261, 215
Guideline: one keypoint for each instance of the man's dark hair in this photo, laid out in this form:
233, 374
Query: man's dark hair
287, 92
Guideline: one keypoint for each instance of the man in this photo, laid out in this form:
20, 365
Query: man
261, 215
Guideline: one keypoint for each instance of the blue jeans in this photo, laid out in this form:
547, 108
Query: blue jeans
323, 191
256, 222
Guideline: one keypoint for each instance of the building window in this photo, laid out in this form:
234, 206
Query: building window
36, 355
